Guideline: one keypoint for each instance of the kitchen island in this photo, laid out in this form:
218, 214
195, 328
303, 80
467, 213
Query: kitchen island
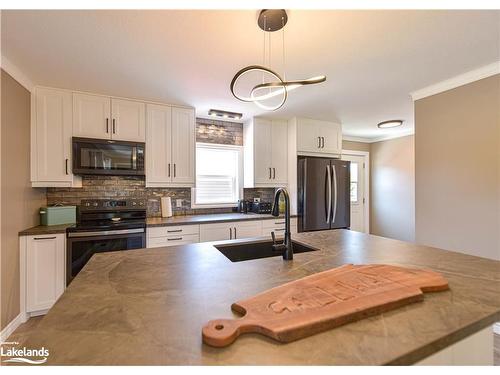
148, 306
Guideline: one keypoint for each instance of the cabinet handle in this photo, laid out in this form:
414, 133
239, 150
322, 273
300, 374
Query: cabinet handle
174, 231
66, 161
322, 142
274, 173
174, 239
319, 142
114, 126
270, 173
44, 238
230, 233
107, 125
174, 170
168, 169
234, 232
279, 222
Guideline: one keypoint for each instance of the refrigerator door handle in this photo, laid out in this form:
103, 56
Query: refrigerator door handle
334, 170
329, 203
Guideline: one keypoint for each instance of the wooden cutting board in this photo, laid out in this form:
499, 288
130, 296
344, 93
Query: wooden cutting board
323, 301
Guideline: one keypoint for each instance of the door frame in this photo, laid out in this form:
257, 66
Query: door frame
366, 155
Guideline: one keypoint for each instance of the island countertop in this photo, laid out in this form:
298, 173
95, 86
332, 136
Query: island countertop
149, 306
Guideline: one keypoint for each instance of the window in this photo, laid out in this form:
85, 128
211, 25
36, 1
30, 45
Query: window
354, 182
219, 175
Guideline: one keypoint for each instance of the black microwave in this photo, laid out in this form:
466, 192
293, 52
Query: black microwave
108, 157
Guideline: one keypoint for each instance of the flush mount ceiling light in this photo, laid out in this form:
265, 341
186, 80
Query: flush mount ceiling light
390, 124
225, 114
270, 20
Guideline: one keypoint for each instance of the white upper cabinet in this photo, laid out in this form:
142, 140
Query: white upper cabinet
266, 153
51, 131
183, 146
128, 120
170, 146
91, 116
318, 138
158, 141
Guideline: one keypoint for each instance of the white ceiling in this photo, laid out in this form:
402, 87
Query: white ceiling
372, 59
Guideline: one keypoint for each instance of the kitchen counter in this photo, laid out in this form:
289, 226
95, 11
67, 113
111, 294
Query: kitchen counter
148, 306
161, 222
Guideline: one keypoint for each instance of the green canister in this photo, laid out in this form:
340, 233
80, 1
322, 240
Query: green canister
56, 215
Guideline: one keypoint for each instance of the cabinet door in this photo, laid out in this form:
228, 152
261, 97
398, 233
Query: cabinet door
332, 137
128, 120
262, 151
51, 136
279, 151
183, 146
216, 232
91, 116
247, 229
308, 136
45, 271
158, 145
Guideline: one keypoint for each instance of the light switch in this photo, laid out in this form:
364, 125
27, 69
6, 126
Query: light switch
178, 202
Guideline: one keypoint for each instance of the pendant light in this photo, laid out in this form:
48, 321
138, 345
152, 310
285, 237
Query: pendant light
270, 20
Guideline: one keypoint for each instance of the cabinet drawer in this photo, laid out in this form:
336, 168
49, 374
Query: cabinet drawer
173, 230
279, 223
172, 240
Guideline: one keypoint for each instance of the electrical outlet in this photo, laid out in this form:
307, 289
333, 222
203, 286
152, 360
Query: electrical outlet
256, 200
178, 202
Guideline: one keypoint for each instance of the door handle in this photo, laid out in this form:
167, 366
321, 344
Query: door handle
114, 127
335, 191
274, 173
66, 161
329, 199
107, 125
270, 173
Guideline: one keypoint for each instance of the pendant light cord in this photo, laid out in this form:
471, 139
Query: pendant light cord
283, 47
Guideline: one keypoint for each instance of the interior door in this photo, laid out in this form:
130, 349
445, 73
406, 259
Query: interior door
279, 151
262, 151
91, 116
183, 146
357, 192
314, 193
159, 140
128, 120
341, 210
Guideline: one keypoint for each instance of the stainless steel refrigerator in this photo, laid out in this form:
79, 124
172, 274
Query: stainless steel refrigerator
323, 194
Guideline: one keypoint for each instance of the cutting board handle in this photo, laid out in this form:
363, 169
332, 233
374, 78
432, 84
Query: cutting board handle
222, 332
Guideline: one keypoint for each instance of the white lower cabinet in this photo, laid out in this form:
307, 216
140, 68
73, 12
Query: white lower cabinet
247, 229
172, 235
44, 261
230, 230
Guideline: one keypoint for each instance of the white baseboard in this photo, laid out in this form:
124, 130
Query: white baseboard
11, 327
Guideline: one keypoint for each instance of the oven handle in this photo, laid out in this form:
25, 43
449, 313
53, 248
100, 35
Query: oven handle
105, 232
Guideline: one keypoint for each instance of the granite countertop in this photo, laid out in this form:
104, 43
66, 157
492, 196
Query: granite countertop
160, 222
148, 306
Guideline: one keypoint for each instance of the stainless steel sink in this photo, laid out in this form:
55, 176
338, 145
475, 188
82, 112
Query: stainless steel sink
238, 252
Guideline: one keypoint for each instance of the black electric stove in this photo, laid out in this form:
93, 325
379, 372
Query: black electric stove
104, 225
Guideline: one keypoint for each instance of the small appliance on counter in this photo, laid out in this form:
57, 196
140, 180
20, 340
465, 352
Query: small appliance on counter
262, 207
166, 206
244, 206
57, 215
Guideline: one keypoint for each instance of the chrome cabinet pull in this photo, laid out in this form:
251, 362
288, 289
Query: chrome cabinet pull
66, 166
107, 125
114, 127
174, 239
44, 238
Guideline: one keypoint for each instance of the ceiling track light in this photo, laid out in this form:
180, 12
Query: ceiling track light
270, 20
389, 124
225, 114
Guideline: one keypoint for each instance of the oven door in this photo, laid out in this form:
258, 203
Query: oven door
82, 245
101, 156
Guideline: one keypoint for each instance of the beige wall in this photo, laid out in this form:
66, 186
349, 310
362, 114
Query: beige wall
392, 195
457, 144
20, 202
355, 146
